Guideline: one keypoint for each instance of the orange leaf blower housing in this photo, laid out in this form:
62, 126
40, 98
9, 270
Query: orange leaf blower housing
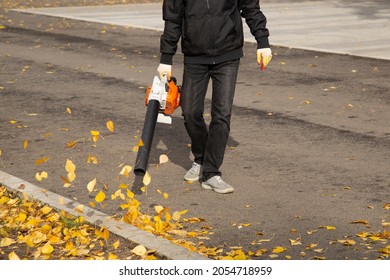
172, 99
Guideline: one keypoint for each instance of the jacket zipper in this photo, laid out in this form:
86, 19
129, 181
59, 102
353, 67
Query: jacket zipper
211, 30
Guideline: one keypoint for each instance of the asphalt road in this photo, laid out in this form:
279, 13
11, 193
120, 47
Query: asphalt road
309, 146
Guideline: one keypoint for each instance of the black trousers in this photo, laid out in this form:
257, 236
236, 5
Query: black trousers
208, 144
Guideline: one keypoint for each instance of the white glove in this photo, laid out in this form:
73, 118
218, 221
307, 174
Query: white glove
165, 69
264, 56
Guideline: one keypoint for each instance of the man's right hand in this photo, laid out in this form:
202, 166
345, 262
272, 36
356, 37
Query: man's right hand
165, 69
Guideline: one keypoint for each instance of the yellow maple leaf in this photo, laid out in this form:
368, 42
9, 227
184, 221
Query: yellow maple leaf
386, 206
110, 126
100, 197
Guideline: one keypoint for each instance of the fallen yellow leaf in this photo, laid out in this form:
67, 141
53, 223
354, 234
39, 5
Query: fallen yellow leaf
139, 250
92, 159
110, 126
71, 144
163, 159
328, 227
69, 166
100, 197
360, 222
46, 209
102, 233
386, 206
295, 242
13, 256
140, 143
47, 249
5, 242
158, 208
95, 135
91, 185
112, 256
79, 208
25, 144
71, 176
126, 170
347, 242
146, 180
41, 161
278, 250
116, 244
40, 176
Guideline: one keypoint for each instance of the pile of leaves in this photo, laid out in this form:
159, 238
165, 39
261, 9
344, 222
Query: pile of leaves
31, 230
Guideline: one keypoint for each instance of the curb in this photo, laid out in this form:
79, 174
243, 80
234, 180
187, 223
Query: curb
162, 246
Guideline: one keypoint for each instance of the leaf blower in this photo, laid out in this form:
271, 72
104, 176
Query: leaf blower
161, 99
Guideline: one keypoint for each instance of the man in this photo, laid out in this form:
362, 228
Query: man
212, 39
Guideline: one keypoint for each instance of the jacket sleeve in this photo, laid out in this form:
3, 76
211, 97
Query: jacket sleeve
255, 19
173, 11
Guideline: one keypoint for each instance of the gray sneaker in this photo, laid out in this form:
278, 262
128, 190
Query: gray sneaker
194, 174
218, 185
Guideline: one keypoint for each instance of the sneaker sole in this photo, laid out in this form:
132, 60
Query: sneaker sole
192, 179
208, 187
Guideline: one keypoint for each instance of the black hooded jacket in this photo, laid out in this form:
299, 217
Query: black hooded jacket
211, 31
